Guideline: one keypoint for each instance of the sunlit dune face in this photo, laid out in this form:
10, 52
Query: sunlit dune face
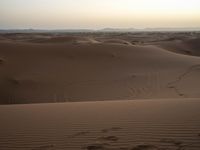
99, 13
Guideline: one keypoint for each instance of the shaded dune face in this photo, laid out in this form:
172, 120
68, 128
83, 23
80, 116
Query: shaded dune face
62, 39
186, 47
46, 38
56, 70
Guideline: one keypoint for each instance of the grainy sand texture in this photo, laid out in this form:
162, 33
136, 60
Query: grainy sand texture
100, 91
112, 125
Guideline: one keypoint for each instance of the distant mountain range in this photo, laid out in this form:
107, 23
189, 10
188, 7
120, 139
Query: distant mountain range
44, 31
147, 29
101, 30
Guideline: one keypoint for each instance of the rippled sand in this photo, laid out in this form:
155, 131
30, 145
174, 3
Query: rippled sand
135, 125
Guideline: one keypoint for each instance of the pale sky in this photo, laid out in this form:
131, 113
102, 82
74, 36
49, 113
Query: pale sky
95, 14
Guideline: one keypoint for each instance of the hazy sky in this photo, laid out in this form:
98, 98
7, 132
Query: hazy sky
56, 14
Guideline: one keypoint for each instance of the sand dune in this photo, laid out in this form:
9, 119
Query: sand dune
59, 39
59, 69
46, 38
124, 125
187, 47
116, 41
46, 68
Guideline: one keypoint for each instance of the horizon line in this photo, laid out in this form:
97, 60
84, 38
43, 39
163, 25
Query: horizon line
106, 29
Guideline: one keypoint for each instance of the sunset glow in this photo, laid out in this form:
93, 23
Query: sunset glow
53, 14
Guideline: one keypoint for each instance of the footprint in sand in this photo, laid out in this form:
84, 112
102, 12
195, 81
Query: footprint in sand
145, 147
97, 146
45, 147
79, 134
14, 81
109, 138
1, 61
111, 129
178, 144
102, 143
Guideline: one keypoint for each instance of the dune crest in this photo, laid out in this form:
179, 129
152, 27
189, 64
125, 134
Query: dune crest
93, 67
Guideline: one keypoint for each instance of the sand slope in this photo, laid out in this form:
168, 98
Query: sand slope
58, 69
187, 47
44, 68
123, 125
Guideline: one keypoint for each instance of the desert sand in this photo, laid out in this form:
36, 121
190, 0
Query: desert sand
122, 91
113, 125
39, 68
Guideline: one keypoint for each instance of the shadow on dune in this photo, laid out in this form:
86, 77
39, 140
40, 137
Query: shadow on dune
186, 47
41, 70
